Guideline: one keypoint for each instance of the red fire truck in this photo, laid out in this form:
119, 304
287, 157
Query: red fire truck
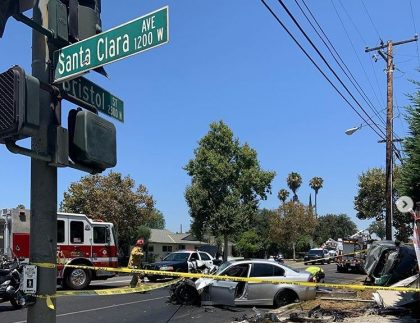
80, 241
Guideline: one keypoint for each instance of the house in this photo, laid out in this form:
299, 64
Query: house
162, 242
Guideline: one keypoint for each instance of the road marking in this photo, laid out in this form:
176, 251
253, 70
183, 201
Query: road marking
105, 307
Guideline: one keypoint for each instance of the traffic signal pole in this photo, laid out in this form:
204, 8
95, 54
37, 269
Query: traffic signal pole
389, 158
43, 234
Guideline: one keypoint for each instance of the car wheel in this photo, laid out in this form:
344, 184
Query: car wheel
77, 278
284, 297
186, 294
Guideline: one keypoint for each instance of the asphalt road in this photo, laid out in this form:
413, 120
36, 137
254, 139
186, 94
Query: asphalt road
149, 307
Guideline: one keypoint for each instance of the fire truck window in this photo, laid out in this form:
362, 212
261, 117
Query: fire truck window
76, 231
60, 231
99, 235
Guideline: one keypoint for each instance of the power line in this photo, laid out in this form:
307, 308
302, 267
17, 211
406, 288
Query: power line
415, 30
317, 66
355, 51
328, 65
371, 20
345, 69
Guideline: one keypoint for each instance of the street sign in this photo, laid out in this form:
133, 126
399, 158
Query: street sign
117, 43
87, 94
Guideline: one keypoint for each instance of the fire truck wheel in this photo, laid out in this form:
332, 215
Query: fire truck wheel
78, 278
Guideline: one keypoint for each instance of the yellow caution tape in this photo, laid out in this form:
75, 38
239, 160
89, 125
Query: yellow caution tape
247, 280
118, 291
106, 292
50, 303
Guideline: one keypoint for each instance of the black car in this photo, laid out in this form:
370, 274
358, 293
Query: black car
317, 255
179, 261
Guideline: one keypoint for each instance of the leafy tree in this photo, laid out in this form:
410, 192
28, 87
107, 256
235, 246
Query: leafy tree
370, 201
410, 179
20, 206
378, 228
294, 180
111, 198
227, 184
249, 243
156, 220
144, 232
316, 184
293, 221
261, 225
283, 195
334, 226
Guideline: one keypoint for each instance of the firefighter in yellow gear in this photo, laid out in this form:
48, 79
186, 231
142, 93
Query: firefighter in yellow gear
317, 273
135, 260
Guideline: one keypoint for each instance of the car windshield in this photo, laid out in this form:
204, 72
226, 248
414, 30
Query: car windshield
223, 266
315, 252
179, 256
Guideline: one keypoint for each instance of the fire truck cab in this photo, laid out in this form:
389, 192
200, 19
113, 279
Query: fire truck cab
80, 241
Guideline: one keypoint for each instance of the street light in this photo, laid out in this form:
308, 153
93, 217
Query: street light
351, 131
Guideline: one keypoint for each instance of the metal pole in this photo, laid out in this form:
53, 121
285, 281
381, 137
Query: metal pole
389, 138
43, 234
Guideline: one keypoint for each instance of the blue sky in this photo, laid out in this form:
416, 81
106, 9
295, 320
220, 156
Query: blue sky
231, 61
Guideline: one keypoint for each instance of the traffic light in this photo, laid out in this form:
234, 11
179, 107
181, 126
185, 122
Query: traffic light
19, 105
92, 140
84, 18
9, 8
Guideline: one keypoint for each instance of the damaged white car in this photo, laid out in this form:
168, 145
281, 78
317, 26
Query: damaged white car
220, 292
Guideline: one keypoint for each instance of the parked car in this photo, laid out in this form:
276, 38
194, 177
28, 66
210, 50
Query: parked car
180, 261
387, 262
221, 292
317, 255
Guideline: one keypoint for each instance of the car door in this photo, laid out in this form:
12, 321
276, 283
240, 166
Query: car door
206, 258
223, 292
263, 293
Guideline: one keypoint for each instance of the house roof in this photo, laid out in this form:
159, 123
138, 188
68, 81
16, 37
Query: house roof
166, 236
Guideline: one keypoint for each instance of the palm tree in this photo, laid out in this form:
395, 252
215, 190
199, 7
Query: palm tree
316, 184
294, 180
283, 195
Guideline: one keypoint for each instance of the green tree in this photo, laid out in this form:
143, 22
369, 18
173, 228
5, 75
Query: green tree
370, 200
293, 221
20, 206
249, 243
227, 184
156, 220
410, 179
294, 181
283, 195
316, 184
261, 225
378, 228
111, 198
334, 226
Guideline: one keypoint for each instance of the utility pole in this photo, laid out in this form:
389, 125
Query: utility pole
389, 165
43, 229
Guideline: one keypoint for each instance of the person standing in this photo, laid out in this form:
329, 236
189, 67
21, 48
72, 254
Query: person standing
134, 262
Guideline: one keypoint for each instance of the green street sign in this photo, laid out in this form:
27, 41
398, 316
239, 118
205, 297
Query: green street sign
87, 94
117, 43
